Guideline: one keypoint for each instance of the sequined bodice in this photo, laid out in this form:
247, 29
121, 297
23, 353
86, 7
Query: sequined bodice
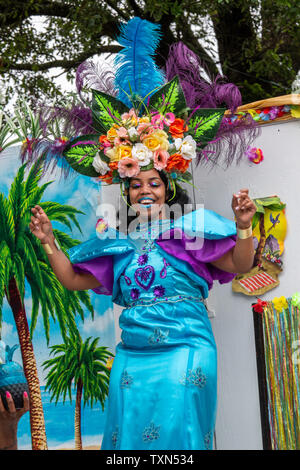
149, 278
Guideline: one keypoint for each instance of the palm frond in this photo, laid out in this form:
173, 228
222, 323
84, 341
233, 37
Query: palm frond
19, 273
7, 224
24, 123
16, 193
59, 212
5, 134
76, 361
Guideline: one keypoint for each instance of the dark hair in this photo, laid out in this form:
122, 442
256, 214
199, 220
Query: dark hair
180, 198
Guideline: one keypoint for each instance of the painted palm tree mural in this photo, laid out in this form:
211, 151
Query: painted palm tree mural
84, 365
22, 257
269, 230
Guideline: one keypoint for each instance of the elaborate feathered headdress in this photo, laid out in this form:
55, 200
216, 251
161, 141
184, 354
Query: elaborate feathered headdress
141, 117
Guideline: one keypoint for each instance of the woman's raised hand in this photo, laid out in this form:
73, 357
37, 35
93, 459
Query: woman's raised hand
40, 225
243, 208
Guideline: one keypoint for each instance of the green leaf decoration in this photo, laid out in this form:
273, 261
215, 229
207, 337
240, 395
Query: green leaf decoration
169, 98
271, 202
204, 124
80, 153
106, 111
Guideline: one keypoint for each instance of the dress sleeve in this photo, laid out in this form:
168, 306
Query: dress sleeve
104, 258
199, 258
102, 269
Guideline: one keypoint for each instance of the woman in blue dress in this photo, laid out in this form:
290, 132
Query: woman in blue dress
163, 382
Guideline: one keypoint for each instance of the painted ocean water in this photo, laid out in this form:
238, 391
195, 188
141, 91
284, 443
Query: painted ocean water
59, 423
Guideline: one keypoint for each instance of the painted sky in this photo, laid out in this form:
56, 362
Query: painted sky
84, 194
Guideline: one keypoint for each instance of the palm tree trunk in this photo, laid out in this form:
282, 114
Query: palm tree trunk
78, 440
37, 422
262, 241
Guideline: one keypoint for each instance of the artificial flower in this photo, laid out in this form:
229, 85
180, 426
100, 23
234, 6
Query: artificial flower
99, 165
128, 167
186, 147
160, 159
113, 165
178, 128
295, 301
130, 116
118, 152
176, 162
280, 303
107, 178
255, 155
122, 132
259, 306
160, 120
144, 119
132, 133
101, 225
104, 141
157, 140
142, 154
295, 111
144, 130
112, 133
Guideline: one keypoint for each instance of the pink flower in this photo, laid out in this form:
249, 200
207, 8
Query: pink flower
131, 114
121, 141
145, 129
255, 155
128, 167
160, 159
122, 133
159, 120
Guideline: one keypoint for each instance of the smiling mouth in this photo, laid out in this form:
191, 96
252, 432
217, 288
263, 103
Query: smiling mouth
146, 201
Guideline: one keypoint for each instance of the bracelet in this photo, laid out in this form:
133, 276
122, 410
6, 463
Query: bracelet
48, 248
244, 233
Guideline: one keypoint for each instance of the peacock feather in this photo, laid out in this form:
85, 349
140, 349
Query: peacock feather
137, 75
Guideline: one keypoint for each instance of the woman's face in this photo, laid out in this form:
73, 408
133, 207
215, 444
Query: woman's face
147, 194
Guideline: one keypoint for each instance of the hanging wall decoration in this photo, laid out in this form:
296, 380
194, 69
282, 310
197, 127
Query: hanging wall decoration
267, 111
277, 340
269, 227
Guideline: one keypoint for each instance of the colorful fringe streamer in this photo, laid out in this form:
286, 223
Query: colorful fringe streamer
282, 356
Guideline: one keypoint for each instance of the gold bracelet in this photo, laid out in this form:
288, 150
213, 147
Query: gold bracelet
48, 248
244, 233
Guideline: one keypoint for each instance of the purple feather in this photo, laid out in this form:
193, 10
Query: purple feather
95, 76
232, 138
197, 90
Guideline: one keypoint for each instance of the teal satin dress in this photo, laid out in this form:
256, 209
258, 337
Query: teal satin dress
163, 382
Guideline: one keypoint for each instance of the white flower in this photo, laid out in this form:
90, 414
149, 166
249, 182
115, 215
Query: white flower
186, 146
142, 153
99, 165
133, 133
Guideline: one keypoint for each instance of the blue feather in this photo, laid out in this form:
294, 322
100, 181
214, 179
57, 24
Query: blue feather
137, 74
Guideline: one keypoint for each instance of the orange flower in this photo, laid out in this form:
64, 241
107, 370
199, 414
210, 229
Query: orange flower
107, 178
112, 133
177, 128
113, 165
177, 162
104, 141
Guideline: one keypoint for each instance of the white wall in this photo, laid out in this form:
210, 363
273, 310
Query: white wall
238, 419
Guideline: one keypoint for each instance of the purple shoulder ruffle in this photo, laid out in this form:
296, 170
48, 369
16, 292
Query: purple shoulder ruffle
180, 246
102, 269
